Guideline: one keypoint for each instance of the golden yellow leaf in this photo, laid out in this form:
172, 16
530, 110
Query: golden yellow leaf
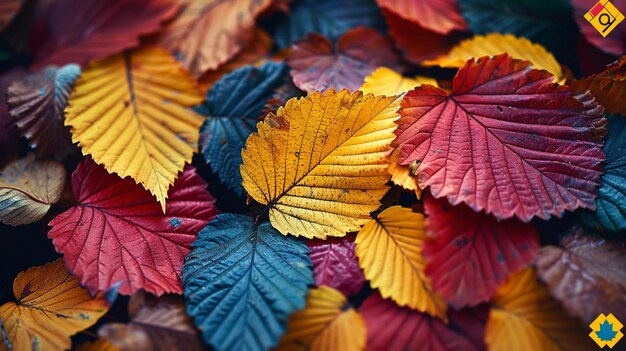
525, 317
389, 249
326, 323
130, 113
401, 175
27, 189
385, 81
51, 306
320, 163
494, 44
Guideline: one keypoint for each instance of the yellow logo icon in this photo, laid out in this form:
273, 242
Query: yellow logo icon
605, 330
604, 17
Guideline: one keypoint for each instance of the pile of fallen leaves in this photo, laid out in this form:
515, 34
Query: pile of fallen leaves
310, 175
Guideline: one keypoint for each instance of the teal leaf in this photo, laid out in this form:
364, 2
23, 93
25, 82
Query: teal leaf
549, 23
242, 281
232, 108
606, 332
330, 18
610, 214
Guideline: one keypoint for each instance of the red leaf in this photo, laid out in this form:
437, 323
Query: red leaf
336, 265
390, 327
505, 140
471, 253
117, 232
79, 31
317, 66
441, 16
615, 43
417, 43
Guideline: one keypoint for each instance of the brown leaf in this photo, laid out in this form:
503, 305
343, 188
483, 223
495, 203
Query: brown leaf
586, 273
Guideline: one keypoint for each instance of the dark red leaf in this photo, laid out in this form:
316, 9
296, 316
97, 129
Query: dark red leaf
390, 327
80, 31
472, 253
615, 42
117, 232
506, 140
419, 44
336, 265
318, 65
586, 273
441, 16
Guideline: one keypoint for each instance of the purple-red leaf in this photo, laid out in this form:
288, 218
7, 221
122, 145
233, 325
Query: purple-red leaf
336, 265
505, 140
117, 232
317, 64
471, 253
390, 327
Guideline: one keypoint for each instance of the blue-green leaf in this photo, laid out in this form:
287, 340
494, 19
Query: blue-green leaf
546, 22
610, 214
242, 282
330, 18
233, 106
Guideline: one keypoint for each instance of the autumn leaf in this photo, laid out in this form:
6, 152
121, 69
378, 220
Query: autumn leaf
254, 52
326, 323
389, 248
607, 87
156, 324
494, 44
385, 81
51, 306
525, 317
401, 175
37, 102
319, 163
209, 33
505, 140
317, 64
335, 264
586, 273
9, 133
28, 187
391, 327
440, 16
614, 44
129, 112
238, 266
329, 18
81, 31
98, 345
232, 109
117, 233
470, 254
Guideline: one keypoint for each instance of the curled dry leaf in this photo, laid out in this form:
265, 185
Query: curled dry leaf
505, 140
326, 323
389, 248
209, 33
335, 264
27, 189
51, 306
525, 317
317, 64
320, 163
117, 233
156, 324
586, 273
607, 87
385, 81
130, 112
37, 103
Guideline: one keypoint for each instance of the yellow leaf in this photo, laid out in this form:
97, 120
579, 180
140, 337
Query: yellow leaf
401, 175
385, 81
130, 113
320, 164
326, 323
27, 189
51, 306
389, 249
525, 317
494, 44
